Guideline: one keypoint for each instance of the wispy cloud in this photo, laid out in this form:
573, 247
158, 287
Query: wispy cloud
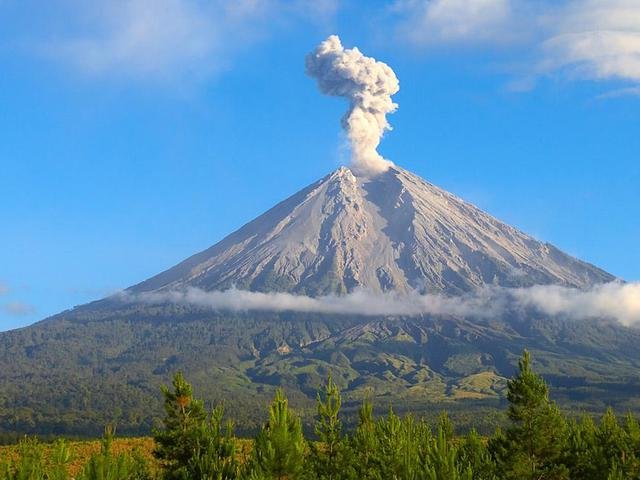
17, 309
470, 23
616, 301
4, 288
621, 92
596, 39
168, 39
579, 39
620, 301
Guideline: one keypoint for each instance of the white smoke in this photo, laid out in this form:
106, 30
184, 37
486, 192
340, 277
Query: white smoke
368, 85
614, 301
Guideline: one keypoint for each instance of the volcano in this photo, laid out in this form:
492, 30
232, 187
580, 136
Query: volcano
392, 232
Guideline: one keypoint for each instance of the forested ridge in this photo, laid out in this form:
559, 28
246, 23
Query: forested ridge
538, 441
75, 372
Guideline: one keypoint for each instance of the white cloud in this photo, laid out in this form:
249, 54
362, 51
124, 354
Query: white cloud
582, 39
596, 39
617, 301
470, 23
161, 39
612, 300
621, 92
359, 302
4, 288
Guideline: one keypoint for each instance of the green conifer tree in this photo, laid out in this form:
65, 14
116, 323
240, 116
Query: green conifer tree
279, 449
214, 456
328, 458
177, 442
473, 452
441, 462
193, 445
365, 444
534, 443
584, 456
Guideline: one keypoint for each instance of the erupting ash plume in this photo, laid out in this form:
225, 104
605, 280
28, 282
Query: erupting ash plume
368, 85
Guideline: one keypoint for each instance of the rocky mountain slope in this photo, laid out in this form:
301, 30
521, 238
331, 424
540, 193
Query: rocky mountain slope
392, 232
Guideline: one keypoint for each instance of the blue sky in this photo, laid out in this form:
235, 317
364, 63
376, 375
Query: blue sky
135, 133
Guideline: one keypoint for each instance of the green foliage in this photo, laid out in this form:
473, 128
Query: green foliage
107, 466
535, 441
102, 363
605, 450
474, 454
538, 443
279, 448
214, 456
193, 445
442, 462
29, 465
396, 447
329, 457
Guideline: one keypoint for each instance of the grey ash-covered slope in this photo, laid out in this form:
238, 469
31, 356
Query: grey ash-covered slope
392, 232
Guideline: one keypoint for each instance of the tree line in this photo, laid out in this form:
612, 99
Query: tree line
539, 443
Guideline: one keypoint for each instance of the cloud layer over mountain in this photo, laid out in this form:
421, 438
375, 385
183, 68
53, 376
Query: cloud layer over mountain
616, 301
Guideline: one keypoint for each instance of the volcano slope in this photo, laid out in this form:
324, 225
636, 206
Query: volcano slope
391, 234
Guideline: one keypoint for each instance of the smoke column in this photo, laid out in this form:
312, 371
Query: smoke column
368, 85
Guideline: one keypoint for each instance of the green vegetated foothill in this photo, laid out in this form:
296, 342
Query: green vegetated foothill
537, 442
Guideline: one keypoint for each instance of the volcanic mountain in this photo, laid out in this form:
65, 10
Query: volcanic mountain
392, 232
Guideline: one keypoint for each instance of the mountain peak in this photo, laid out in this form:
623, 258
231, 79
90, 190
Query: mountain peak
390, 232
342, 172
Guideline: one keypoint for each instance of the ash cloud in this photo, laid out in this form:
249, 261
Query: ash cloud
613, 301
368, 85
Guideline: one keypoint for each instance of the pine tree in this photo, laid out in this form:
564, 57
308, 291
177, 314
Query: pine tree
533, 445
192, 445
279, 449
584, 455
176, 443
396, 455
214, 457
632, 430
365, 444
473, 452
441, 461
328, 458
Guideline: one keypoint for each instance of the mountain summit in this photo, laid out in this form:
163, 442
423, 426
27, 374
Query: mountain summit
392, 232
